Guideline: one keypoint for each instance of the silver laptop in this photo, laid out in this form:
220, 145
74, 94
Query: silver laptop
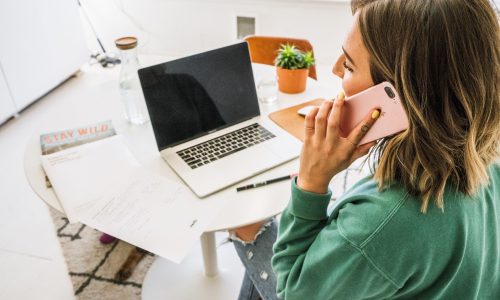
206, 120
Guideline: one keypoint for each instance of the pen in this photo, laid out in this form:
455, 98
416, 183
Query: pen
263, 183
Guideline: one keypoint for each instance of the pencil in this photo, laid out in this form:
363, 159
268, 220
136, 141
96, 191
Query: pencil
263, 183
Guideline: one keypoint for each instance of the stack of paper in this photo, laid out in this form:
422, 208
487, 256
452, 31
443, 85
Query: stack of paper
103, 186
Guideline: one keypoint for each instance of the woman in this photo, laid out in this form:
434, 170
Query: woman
426, 224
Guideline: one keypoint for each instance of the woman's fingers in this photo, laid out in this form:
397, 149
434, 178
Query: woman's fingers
360, 131
334, 118
322, 119
309, 123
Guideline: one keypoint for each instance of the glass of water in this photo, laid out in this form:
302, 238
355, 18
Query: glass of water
267, 90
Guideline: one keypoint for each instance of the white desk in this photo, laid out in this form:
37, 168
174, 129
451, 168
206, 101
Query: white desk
93, 96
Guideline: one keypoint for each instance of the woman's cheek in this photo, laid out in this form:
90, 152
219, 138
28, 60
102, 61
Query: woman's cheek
352, 85
347, 86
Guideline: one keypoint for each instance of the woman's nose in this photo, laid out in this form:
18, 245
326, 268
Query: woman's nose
338, 68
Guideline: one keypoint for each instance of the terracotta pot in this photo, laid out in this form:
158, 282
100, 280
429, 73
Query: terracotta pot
292, 81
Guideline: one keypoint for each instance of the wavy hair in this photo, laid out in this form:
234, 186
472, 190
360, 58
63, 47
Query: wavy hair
443, 57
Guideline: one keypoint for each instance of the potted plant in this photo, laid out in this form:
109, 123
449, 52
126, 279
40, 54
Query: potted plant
292, 67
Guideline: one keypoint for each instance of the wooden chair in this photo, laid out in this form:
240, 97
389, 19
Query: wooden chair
263, 49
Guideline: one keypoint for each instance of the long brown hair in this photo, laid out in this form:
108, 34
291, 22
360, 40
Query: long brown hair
443, 57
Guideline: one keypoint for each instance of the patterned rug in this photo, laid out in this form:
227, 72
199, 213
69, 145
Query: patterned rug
92, 266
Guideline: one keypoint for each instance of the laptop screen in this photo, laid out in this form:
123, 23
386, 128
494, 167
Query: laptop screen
189, 97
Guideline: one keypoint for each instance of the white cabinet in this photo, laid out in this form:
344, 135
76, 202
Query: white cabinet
41, 45
7, 108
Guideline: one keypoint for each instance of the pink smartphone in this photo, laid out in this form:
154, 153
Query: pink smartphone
383, 96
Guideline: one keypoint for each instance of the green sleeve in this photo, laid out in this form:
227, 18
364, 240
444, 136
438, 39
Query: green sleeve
313, 260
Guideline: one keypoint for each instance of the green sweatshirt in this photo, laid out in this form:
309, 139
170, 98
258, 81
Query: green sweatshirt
377, 245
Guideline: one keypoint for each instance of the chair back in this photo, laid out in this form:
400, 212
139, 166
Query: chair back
264, 49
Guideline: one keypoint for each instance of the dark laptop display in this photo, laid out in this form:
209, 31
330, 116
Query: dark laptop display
188, 97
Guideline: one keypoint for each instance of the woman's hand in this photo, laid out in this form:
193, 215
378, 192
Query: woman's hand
325, 153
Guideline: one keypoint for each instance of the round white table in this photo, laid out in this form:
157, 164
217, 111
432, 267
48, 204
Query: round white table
92, 97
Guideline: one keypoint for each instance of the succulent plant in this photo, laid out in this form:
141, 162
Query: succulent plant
290, 57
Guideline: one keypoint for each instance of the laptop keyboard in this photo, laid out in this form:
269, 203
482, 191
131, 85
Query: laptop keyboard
224, 145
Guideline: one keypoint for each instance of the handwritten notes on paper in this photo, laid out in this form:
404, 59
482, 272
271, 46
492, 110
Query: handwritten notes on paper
102, 185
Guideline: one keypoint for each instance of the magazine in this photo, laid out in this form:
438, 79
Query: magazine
56, 141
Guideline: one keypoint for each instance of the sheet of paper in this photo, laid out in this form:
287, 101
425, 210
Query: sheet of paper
87, 171
153, 213
143, 209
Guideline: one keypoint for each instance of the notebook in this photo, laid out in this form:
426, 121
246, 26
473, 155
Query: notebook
206, 119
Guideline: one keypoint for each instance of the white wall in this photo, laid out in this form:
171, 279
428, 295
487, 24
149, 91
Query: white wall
176, 28
41, 45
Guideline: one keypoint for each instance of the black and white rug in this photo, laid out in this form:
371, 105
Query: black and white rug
92, 266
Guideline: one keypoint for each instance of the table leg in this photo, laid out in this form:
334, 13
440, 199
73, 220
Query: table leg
209, 254
189, 280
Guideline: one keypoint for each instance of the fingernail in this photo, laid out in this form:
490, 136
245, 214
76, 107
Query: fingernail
375, 114
341, 95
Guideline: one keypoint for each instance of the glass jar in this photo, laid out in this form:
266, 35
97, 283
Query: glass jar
267, 90
130, 88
